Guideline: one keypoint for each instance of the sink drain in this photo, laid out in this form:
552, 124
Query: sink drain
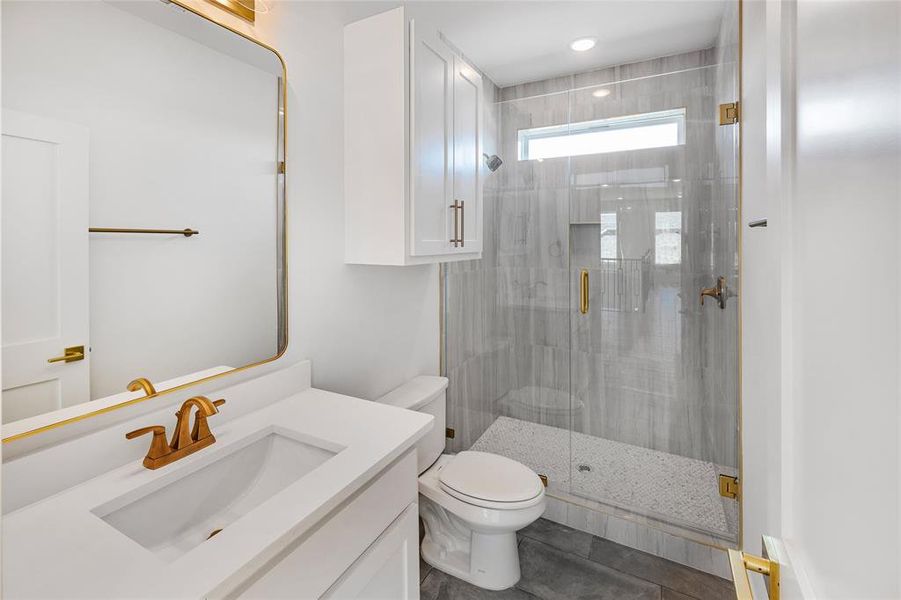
584, 468
214, 532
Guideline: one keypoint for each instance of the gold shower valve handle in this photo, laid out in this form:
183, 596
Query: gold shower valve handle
718, 292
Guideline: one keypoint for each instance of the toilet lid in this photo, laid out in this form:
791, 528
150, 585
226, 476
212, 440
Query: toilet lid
490, 477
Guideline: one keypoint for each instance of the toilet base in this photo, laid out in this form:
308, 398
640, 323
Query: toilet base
487, 560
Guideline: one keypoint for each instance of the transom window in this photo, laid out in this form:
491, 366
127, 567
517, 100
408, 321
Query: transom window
617, 134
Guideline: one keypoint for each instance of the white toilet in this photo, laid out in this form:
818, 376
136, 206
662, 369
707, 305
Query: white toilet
472, 503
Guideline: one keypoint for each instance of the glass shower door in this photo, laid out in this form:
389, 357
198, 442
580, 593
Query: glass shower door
654, 373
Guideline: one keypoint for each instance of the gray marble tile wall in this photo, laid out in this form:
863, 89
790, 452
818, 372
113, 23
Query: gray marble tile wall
660, 374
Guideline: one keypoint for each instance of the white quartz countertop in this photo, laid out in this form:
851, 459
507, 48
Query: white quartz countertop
59, 548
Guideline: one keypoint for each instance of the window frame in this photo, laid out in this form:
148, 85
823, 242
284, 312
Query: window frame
635, 121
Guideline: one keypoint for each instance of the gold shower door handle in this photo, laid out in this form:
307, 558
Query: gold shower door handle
583, 291
70, 354
718, 292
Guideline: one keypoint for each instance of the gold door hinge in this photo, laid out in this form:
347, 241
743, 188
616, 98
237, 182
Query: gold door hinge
729, 113
281, 167
449, 433
729, 486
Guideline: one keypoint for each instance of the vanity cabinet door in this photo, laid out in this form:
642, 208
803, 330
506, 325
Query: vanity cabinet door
468, 154
431, 142
389, 569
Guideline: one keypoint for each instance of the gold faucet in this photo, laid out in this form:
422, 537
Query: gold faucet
142, 383
185, 440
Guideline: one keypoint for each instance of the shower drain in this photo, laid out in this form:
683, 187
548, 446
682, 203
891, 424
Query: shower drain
584, 468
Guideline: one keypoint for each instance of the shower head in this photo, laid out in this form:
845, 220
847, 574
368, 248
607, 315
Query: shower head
493, 162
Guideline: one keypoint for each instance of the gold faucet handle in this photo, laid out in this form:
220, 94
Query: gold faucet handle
158, 445
201, 427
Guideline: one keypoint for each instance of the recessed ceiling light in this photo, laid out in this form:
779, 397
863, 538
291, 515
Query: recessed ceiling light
583, 44
676, 180
601, 93
619, 198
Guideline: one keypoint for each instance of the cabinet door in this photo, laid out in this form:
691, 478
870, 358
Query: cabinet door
389, 569
468, 154
431, 142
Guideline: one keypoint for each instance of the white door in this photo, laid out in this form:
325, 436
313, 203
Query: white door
431, 112
44, 264
468, 154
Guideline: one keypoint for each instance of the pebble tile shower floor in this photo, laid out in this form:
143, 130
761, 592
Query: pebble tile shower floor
560, 563
676, 489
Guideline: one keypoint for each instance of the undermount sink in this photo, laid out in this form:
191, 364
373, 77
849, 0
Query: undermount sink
173, 519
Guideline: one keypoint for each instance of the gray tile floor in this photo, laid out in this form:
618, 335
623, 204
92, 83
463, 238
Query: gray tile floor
560, 563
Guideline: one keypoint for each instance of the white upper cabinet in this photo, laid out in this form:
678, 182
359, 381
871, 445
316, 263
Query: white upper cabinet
468, 154
413, 115
432, 143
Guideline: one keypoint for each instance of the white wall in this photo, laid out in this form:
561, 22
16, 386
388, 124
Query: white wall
367, 329
821, 320
181, 136
847, 204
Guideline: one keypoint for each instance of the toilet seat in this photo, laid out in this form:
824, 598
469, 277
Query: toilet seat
490, 481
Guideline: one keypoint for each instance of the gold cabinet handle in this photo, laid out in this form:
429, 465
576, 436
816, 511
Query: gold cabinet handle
70, 354
741, 563
583, 292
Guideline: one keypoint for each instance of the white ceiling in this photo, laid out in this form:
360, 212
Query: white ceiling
516, 42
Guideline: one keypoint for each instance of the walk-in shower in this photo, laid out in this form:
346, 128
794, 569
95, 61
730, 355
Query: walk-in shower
578, 344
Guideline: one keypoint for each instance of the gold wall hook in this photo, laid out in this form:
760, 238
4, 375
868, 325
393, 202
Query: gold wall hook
142, 383
718, 292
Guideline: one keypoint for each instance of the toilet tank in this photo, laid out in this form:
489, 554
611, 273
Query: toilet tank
427, 394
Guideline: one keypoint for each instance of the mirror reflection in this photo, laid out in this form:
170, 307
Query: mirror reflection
142, 202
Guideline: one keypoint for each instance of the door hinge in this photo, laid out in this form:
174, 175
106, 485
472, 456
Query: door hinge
729, 113
281, 167
729, 486
449, 433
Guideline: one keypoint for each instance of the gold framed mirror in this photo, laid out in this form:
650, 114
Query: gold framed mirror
144, 206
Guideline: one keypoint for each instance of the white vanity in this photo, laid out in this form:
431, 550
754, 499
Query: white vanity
314, 496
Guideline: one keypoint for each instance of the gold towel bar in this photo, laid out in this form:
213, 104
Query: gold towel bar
185, 232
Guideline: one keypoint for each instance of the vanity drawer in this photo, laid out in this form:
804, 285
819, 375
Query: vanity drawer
312, 564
